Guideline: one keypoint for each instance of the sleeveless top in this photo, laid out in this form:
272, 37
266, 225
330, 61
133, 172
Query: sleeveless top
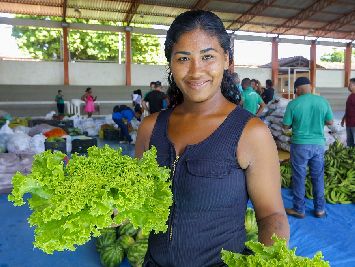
209, 196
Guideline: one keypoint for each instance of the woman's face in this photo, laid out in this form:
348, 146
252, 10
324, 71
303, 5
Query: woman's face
197, 65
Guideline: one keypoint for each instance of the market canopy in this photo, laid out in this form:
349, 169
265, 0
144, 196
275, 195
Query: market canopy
313, 18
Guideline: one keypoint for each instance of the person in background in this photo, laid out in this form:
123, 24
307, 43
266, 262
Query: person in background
155, 99
122, 115
268, 93
137, 98
349, 116
251, 100
307, 115
59, 99
219, 154
89, 102
236, 81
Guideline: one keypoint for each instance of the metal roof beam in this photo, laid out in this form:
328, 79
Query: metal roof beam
201, 4
251, 13
335, 24
131, 12
303, 15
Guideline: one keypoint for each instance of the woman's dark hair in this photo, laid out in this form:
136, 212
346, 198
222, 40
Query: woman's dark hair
88, 89
211, 24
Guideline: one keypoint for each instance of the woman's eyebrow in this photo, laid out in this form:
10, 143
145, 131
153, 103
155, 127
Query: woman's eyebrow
207, 49
182, 52
201, 52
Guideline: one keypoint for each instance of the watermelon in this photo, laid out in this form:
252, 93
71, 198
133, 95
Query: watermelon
127, 229
140, 235
126, 241
136, 252
108, 236
112, 255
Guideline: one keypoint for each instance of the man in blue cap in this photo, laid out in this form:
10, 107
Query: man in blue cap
307, 115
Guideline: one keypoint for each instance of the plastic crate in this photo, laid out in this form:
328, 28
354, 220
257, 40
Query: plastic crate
59, 146
81, 146
112, 134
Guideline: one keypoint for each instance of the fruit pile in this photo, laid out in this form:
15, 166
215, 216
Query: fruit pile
339, 175
115, 244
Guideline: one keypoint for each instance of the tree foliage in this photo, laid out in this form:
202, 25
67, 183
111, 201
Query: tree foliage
45, 43
335, 56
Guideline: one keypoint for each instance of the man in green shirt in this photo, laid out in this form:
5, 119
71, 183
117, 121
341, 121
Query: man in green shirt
307, 115
251, 100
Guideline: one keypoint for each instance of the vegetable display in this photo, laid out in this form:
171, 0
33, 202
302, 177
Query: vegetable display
277, 255
70, 203
339, 175
129, 242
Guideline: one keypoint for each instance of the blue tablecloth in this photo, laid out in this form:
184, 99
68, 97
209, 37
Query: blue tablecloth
334, 235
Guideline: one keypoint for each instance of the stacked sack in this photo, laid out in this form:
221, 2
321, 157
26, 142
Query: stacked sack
273, 119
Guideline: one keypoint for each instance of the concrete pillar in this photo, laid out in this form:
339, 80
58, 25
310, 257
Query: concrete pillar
65, 56
128, 58
313, 65
275, 62
347, 64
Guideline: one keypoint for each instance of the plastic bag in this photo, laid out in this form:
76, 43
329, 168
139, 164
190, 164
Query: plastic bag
6, 129
68, 143
22, 129
284, 138
37, 143
49, 115
9, 163
276, 127
275, 133
89, 126
40, 129
4, 137
19, 142
26, 161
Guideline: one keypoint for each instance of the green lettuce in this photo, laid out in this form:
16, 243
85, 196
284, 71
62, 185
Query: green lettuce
74, 202
277, 255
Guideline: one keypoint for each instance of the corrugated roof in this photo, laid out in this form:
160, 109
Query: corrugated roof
326, 18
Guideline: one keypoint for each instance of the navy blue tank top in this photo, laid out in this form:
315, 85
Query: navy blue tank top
209, 196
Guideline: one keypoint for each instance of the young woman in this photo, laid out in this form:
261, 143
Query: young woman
89, 102
219, 154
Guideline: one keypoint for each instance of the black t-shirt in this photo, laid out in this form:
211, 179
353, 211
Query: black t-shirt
155, 99
268, 95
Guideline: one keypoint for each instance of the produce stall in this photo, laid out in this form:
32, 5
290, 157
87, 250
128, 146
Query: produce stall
332, 235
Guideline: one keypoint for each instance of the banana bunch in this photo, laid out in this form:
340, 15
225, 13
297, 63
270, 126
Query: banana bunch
339, 175
286, 173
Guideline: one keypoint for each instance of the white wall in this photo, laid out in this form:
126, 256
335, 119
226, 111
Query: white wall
113, 74
106, 74
144, 74
352, 74
31, 73
80, 73
261, 74
330, 78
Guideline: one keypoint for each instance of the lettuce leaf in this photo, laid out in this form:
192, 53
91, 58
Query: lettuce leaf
74, 202
277, 255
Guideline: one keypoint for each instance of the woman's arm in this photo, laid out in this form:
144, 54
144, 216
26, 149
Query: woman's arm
257, 154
